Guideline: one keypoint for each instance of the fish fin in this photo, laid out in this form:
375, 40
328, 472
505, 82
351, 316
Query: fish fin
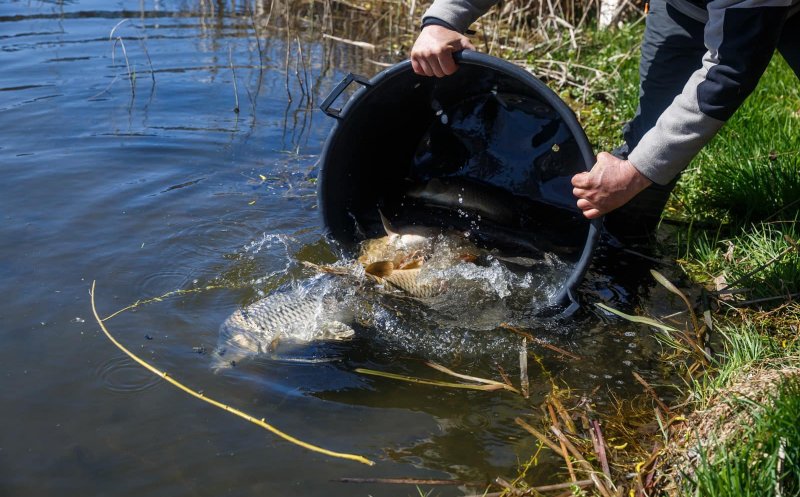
381, 269
387, 225
518, 261
468, 257
326, 269
412, 264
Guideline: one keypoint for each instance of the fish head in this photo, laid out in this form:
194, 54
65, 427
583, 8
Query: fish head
396, 248
236, 342
336, 331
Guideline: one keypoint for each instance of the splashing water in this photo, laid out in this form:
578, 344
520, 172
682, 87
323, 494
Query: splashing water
481, 290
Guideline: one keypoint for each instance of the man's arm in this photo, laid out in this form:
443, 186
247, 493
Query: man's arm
741, 37
442, 27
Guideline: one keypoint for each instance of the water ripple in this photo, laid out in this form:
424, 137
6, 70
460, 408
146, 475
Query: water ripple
120, 374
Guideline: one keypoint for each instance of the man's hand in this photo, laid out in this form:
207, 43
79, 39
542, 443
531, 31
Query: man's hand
610, 184
432, 54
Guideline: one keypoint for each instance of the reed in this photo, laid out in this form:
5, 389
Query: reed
201, 396
235, 89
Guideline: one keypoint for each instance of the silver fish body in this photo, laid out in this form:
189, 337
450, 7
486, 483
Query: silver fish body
285, 315
456, 193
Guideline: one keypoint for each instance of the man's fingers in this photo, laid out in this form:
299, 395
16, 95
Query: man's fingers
433, 62
580, 193
581, 180
447, 63
592, 214
415, 65
465, 43
426, 68
589, 209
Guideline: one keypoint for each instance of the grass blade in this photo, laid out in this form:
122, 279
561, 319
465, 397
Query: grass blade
485, 381
636, 319
437, 383
672, 288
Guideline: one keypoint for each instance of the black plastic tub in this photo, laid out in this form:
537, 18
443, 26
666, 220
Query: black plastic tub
490, 128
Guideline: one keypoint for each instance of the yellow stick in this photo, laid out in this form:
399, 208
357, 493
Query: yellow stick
260, 422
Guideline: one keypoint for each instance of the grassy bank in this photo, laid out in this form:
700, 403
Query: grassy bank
736, 210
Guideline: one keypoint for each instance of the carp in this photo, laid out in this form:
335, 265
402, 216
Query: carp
286, 315
488, 202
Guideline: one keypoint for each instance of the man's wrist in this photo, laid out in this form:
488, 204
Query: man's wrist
435, 21
639, 180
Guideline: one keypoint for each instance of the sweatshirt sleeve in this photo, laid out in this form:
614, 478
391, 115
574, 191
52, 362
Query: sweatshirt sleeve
458, 13
740, 38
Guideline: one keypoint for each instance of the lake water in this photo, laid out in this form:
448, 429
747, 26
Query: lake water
163, 187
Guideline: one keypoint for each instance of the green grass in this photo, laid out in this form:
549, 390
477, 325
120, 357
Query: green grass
765, 461
605, 71
763, 260
745, 348
751, 170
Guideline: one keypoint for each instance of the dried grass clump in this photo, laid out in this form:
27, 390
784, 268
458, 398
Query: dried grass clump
731, 413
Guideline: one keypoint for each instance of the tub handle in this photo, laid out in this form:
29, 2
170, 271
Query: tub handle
326, 104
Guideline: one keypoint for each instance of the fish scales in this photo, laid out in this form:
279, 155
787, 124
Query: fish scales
408, 281
282, 315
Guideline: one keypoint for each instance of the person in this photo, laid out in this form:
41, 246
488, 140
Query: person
699, 61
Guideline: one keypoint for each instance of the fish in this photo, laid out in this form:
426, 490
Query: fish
393, 263
488, 202
284, 315
407, 281
398, 246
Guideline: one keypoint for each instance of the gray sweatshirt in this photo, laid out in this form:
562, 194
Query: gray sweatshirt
740, 36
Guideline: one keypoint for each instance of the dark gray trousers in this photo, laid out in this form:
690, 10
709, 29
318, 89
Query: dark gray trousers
672, 49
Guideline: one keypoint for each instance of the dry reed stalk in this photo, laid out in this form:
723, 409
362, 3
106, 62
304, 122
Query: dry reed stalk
401, 481
305, 82
652, 393
360, 44
600, 447
504, 385
437, 383
199, 395
504, 376
554, 422
303, 92
539, 435
562, 413
599, 485
523, 368
286, 68
538, 341
118, 39
235, 89
131, 74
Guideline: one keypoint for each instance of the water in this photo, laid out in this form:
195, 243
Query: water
167, 188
